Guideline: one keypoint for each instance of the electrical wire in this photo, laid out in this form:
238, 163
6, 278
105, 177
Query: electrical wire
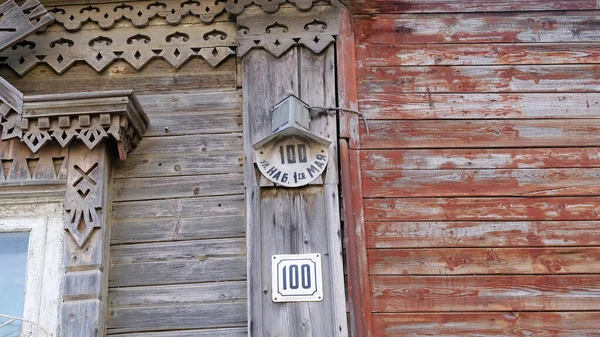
11, 319
345, 110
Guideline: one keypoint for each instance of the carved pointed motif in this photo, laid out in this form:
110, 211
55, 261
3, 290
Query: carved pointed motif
10, 122
175, 44
76, 116
19, 164
36, 138
177, 52
315, 29
216, 55
61, 56
138, 54
64, 136
23, 60
101, 55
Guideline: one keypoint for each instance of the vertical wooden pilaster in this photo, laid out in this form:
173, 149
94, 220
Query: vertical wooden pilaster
83, 311
357, 264
292, 221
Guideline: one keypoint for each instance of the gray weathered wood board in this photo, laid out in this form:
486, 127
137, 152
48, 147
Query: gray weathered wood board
180, 163
191, 207
183, 250
157, 77
225, 332
170, 229
178, 187
202, 269
209, 315
195, 112
178, 294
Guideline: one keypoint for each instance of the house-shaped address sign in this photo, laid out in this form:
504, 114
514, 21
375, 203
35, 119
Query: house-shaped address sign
292, 156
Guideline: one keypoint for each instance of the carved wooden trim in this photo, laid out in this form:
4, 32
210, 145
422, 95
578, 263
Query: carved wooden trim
237, 7
176, 44
315, 29
20, 166
139, 13
20, 19
11, 105
89, 117
85, 283
65, 43
85, 191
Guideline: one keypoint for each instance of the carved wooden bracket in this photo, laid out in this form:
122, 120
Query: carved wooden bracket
19, 19
89, 117
314, 29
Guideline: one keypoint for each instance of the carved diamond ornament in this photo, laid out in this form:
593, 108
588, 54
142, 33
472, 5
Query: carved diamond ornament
292, 156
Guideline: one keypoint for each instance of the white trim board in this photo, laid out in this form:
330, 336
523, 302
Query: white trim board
45, 265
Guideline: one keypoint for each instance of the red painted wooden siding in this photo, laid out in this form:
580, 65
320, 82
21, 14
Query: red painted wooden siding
481, 172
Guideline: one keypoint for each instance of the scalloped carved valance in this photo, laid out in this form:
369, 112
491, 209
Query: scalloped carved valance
314, 29
139, 13
193, 28
176, 44
237, 7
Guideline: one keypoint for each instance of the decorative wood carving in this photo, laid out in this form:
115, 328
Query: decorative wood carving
83, 309
19, 19
11, 104
20, 165
99, 49
29, 123
83, 199
315, 29
236, 7
89, 117
139, 13
66, 43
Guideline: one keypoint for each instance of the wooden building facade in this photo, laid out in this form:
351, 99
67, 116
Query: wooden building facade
479, 175
459, 196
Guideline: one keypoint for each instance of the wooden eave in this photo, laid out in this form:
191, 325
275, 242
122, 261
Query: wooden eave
90, 117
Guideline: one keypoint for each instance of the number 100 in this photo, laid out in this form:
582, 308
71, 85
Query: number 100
290, 151
293, 276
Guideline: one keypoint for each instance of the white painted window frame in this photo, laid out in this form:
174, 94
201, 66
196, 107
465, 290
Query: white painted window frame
44, 222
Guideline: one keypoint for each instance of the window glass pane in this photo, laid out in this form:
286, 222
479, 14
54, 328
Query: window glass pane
13, 269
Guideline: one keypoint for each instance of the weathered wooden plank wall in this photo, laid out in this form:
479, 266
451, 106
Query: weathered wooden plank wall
178, 258
480, 173
178, 254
